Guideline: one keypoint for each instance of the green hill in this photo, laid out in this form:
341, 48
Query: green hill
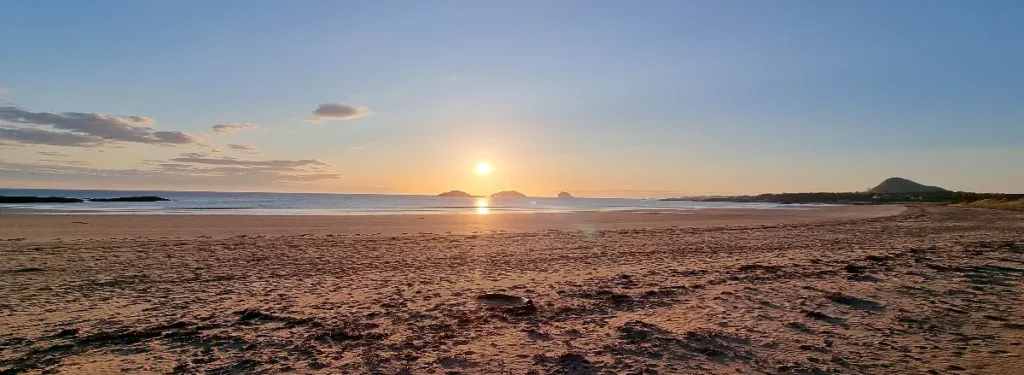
897, 185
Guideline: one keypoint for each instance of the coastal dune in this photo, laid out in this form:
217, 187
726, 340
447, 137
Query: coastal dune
919, 290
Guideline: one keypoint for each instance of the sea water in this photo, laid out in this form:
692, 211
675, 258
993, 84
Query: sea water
344, 204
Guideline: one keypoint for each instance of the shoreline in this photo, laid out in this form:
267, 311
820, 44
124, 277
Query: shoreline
54, 226
246, 212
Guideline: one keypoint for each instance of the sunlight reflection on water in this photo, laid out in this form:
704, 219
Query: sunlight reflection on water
482, 206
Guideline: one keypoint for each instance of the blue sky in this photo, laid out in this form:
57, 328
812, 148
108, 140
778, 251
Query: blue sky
644, 98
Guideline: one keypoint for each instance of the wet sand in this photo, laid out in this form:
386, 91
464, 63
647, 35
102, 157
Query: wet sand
927, 290
16, 224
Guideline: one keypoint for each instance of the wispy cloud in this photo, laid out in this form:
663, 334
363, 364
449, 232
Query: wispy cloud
4, 90
51, 153
338, 112
77, 129
16, 135
191, 168
252, 149
222, 129
64, 162
226, 160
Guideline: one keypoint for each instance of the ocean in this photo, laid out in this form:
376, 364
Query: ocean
182, 202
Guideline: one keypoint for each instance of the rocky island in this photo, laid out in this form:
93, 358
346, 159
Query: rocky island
455, 194
508, 194
565, 194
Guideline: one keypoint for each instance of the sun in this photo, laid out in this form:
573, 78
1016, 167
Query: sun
483, 168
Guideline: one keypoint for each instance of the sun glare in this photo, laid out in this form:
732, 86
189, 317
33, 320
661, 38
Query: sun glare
482, 206
483, 168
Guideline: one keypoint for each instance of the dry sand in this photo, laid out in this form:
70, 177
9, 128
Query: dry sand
929, 290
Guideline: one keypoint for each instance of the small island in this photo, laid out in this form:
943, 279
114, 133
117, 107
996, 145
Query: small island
565, 194
455, 194
508, 194
144, 198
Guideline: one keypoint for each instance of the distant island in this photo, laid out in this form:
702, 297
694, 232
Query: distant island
508, 194
892, 190
500, 194
32, 199
565, 194
455, 194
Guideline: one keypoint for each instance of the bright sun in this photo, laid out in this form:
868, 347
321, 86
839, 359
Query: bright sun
483, 168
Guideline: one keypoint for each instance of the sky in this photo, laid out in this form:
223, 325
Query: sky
599, 98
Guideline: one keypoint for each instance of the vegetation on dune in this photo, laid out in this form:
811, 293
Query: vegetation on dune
996, 203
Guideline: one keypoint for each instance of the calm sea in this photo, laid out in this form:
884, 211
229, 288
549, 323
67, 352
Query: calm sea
342, 204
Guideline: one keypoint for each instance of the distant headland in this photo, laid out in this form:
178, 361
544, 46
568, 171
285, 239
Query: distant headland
892, 190
32, 199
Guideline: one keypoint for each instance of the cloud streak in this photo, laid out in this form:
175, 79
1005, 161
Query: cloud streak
265, 164
39, 136
51, 153
192, 169
224, 129
252, 149
339, 112
78, 129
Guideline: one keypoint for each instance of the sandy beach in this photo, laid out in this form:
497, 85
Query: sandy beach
25, 224
837, 290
